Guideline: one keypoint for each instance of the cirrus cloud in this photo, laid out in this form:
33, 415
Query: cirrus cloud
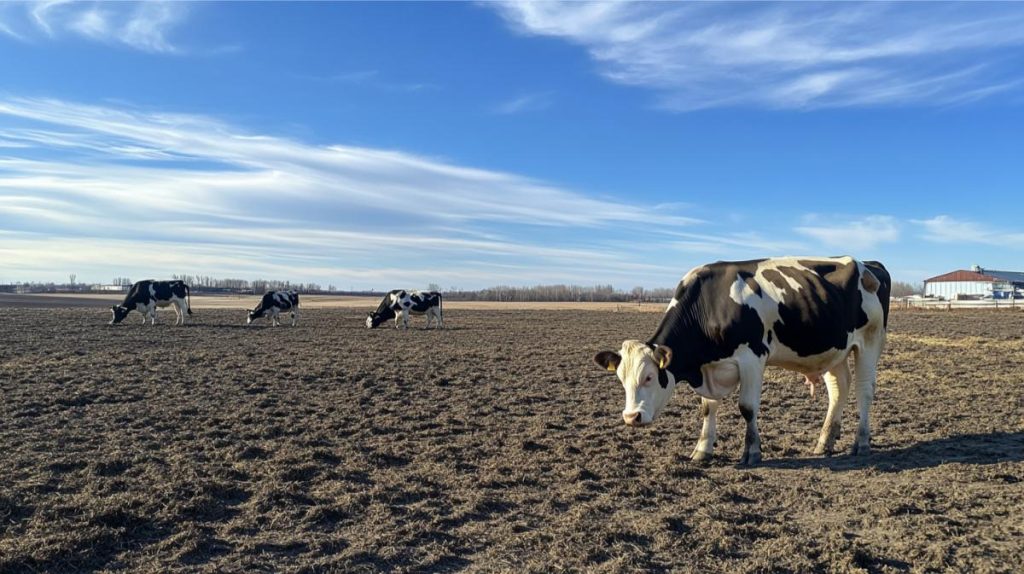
789, 55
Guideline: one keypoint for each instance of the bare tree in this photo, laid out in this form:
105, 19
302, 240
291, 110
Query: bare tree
905, 289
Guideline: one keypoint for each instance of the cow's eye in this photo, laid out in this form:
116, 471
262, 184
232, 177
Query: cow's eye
646, 380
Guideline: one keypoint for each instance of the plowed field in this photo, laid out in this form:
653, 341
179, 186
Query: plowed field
494, 445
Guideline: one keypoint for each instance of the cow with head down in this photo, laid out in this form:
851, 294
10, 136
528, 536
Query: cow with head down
399, 303
729, 320
145, 297
275, 303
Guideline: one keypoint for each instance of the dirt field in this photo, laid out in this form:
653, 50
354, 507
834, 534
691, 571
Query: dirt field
493, 446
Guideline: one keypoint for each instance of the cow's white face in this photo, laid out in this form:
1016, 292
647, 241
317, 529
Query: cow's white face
641, 371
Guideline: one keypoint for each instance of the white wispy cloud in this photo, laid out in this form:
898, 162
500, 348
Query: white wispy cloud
946, 229
702, 55
849, 234
524, 103
143, 26
94, 179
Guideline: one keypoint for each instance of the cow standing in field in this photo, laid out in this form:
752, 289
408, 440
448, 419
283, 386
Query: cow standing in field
399, 303
273, 304
728, 320
146, 296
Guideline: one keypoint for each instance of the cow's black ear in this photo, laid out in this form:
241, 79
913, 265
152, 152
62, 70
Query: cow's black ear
113, 307
663, 355
608, 360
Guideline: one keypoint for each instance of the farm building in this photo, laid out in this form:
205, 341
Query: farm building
976, 283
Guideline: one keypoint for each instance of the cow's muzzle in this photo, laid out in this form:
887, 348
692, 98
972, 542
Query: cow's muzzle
633, 419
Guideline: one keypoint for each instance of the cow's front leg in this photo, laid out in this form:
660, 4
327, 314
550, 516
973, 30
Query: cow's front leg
751, 380
837, 381
405, 319
295, 317
708, 433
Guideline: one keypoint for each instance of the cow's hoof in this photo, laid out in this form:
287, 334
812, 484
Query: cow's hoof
750, 459
823, 450
701, 456
860, 450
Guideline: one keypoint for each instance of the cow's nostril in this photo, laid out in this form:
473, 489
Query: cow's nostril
633, 418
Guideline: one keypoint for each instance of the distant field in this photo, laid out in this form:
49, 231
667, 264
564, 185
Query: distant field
45, 300
495, 445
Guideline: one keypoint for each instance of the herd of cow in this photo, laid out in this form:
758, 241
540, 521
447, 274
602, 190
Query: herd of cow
726, 323
147, 296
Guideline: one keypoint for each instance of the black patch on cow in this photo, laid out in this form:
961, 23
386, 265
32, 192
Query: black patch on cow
751, 282
821, 314
747, 412
663, 378
706, 324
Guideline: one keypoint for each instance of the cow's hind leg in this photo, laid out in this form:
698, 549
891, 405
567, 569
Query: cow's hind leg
837, 381
866, 370
751, 381
708, 433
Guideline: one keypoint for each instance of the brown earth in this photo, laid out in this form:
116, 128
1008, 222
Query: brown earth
495, 445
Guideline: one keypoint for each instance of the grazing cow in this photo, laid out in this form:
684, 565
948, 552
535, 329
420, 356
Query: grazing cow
728, 320
399, 303
275, 303
146, 296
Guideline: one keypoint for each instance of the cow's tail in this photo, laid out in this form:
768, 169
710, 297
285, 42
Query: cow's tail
188, 299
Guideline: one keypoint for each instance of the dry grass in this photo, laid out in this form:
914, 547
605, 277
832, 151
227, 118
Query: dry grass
492, 446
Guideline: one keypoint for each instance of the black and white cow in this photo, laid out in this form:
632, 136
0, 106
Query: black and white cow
275, 303
728, 320
146, 296
399, 303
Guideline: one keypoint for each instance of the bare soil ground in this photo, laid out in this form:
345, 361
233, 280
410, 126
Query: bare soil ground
495, 445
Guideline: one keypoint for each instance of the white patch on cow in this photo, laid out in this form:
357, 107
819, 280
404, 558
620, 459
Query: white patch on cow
672, 304
740, 292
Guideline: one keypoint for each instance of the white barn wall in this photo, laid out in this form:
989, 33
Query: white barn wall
950, 289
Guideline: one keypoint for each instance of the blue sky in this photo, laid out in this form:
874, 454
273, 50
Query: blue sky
467, 144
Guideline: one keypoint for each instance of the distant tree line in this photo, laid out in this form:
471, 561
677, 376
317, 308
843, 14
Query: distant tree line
904, 289
551, 293
209, 284
560, 293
